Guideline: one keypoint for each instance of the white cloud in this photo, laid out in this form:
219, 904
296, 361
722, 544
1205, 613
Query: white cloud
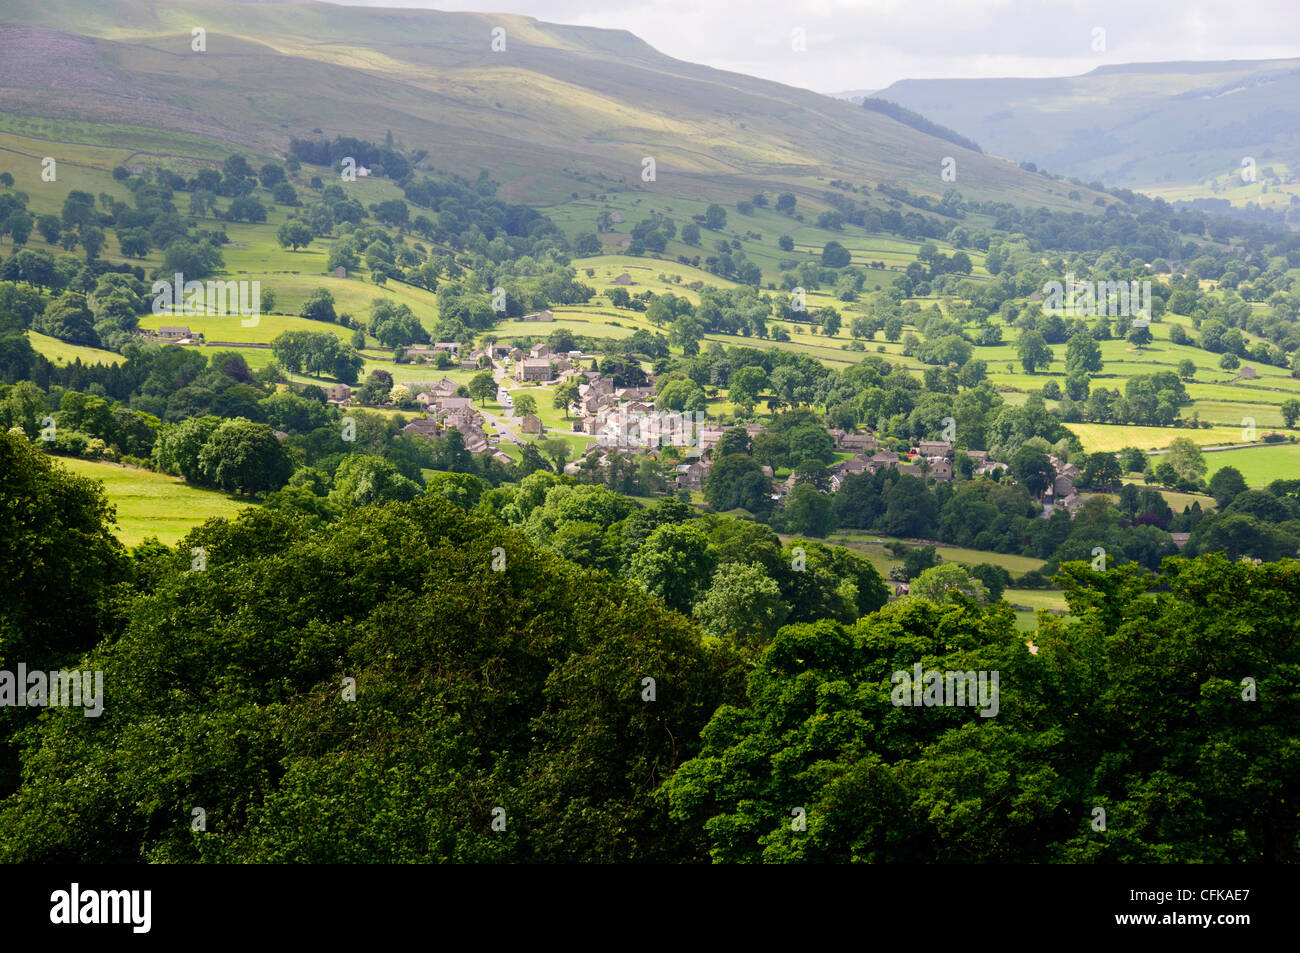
868, 44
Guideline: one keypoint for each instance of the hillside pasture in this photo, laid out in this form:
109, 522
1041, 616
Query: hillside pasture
154, 504
1115, 437
1259, 465
61, 352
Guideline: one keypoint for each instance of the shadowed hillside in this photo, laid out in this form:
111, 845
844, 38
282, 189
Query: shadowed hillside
557, 100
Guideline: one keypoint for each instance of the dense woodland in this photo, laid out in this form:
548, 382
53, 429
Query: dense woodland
524, 689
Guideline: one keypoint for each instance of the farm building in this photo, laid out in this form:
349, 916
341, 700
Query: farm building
882, 460
691, 476
422, 427
447, 405
533, 370
941, 470
856, 442
935, 449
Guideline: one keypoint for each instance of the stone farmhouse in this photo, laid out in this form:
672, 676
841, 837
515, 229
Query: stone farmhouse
534, 369
169, 334
855, 442
691, 476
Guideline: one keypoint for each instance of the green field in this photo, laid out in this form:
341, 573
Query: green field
1115, 437
1259, 465
61, 352
1036, 600
507, 331
405, 373
152, 504
1178, 501
550, 415
230, 327
578, 443
874, 543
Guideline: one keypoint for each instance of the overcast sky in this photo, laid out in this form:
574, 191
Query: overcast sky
868, 44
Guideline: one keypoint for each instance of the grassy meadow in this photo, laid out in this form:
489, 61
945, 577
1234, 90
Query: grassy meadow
61, 352
154, 504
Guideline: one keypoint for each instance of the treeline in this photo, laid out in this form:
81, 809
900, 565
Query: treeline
381, 160
429, 684
165, 405
1138, 225
992, 514
982, 513
468, 215
94, 309
941, 784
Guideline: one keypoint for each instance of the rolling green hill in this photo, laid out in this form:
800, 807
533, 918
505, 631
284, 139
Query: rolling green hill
560, 109
1162, 127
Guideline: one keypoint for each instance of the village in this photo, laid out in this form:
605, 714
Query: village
626, 420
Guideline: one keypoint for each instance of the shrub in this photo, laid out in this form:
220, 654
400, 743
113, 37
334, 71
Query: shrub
1034, 579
